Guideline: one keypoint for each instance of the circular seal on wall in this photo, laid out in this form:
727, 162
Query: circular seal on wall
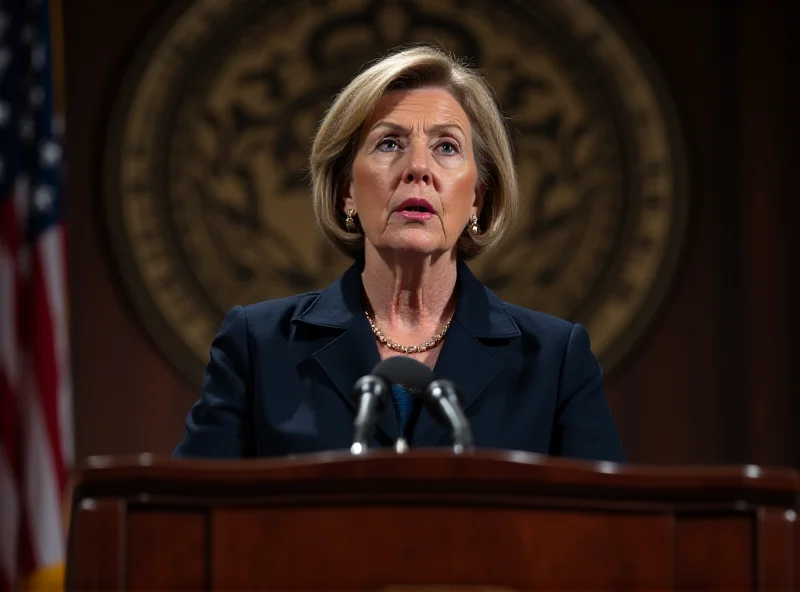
207, 188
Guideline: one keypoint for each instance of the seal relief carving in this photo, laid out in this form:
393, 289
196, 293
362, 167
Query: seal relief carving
207, 192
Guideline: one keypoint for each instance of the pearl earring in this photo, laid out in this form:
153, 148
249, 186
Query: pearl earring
473, 225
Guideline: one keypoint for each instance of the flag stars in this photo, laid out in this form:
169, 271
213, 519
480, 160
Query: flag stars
49, 154
43, 198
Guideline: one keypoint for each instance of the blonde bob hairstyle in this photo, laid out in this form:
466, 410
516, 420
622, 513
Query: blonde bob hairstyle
338, 135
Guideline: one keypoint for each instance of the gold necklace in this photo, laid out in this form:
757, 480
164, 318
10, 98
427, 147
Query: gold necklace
408, 349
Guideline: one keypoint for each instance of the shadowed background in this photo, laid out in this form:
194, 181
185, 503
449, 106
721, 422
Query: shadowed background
704, 374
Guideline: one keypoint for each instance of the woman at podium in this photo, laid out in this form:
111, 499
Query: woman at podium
413, 175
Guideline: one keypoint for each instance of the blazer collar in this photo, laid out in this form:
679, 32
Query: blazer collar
478, 310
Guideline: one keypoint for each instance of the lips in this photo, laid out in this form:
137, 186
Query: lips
415, 204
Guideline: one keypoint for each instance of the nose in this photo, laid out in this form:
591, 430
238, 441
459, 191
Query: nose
418, 169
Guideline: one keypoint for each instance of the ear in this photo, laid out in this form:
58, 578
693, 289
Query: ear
477, 203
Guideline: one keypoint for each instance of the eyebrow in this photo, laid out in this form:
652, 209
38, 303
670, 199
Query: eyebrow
399, 129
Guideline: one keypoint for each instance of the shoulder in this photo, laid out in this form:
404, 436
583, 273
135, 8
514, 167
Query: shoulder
541, 324
275, 312
487, 315
563, 342
554, 335
279, 307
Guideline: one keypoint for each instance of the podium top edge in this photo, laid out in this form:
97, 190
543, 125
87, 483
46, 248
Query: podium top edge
435, 466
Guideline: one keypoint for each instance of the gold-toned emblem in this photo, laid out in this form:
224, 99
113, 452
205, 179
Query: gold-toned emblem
207, 191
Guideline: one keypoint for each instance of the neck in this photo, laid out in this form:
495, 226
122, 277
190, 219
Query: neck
409, 292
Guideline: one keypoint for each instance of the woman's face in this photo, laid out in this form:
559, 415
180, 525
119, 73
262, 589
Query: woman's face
414, 183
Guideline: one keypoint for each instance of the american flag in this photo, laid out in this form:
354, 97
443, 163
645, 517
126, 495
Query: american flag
36, 449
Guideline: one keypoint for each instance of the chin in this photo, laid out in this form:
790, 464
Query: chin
418, 246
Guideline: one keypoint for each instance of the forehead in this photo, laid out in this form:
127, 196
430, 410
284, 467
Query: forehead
429, 106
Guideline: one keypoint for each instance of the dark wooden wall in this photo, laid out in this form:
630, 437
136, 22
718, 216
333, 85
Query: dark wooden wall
711, 381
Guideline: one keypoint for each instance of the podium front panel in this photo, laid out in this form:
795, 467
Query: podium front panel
368, 548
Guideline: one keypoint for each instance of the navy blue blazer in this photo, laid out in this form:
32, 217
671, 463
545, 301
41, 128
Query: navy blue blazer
280, 374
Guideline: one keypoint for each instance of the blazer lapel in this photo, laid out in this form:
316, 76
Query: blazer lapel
466, 358
352, 353
349, 357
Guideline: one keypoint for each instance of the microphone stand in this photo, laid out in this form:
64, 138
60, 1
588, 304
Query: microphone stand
443, 396
373, 394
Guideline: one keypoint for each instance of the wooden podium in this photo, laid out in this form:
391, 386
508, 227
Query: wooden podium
430, 520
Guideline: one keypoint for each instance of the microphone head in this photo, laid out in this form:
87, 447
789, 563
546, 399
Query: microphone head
444, 388
405, 371
376, 385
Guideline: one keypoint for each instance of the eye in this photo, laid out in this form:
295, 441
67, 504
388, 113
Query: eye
448, 148
388, 145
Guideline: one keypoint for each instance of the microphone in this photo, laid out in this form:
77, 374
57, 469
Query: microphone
440, 394
443, 396
373, 394
373, 391
406, 372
